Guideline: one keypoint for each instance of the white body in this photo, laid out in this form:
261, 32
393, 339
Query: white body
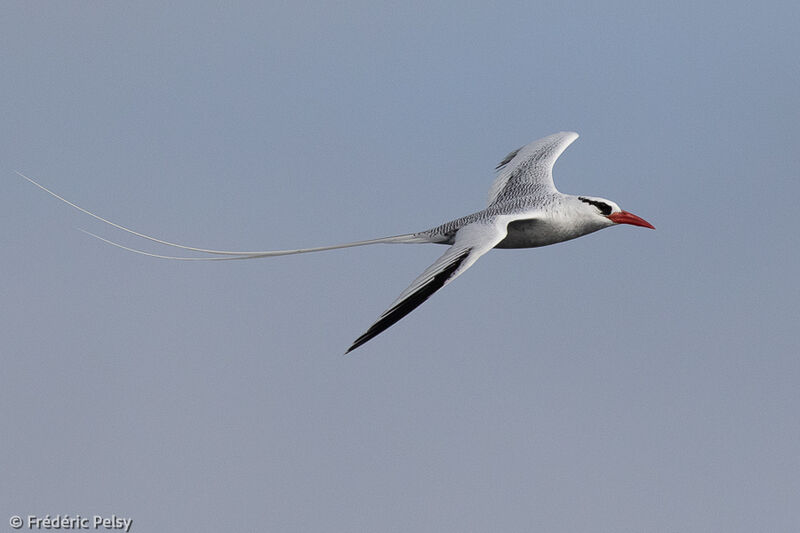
525, 210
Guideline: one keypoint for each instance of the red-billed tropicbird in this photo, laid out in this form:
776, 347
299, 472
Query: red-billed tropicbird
525, 210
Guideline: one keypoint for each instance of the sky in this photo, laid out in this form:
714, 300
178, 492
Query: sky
629, 380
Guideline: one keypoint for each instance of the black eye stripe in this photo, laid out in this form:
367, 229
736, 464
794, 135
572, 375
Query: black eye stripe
602, 206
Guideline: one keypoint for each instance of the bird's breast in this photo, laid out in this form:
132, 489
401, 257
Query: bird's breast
533, 232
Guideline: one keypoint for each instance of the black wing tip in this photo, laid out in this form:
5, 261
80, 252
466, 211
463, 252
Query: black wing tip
411, 302
369, 334
353, 346
507, 159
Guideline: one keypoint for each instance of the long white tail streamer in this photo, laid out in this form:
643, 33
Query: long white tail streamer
229, 255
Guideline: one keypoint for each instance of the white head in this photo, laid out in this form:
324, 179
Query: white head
606, 213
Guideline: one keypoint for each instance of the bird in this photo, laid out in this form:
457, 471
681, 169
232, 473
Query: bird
525, 210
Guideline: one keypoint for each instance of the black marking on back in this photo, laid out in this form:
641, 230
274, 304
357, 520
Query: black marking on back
507, 159
411, 302
602, 206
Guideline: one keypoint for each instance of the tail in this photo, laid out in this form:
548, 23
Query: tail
222, 255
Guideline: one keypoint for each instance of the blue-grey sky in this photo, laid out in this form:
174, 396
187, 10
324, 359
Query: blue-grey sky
630, 380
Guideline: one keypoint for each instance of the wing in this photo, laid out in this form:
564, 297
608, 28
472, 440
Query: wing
529, 170
471, 242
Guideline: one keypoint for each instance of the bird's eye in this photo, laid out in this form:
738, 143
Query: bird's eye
604, 208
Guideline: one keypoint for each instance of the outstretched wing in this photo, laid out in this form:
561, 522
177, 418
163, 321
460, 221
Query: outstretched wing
529, 170
471, 242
